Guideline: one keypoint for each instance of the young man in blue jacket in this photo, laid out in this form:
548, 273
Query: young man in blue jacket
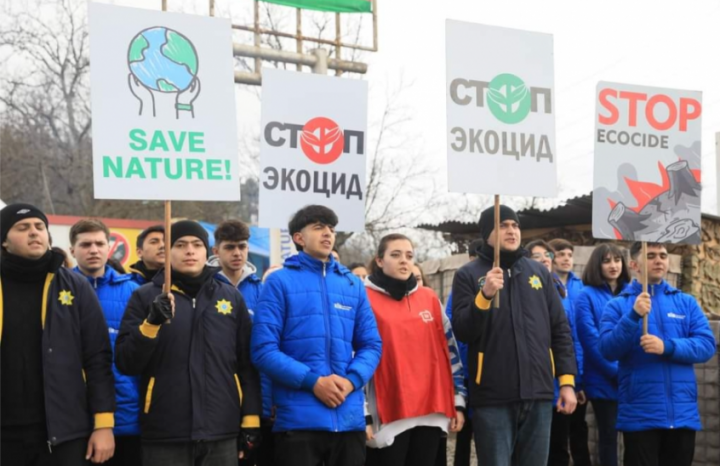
658, 412
90, 246
315, 335
58, 397
571, 429
232, 248
151, 252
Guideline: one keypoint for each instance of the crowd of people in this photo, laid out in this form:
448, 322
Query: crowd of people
319, 364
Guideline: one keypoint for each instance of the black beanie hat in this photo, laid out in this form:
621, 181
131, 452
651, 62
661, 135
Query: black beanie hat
189, 228
487, 219
13, 213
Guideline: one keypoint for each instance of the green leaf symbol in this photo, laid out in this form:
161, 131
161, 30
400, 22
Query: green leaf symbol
508, 98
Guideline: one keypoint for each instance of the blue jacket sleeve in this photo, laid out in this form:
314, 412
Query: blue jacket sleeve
366, 344
589, 336
618, 330
267, 331
699, 345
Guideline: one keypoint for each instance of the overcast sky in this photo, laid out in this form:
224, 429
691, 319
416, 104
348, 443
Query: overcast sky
658, 43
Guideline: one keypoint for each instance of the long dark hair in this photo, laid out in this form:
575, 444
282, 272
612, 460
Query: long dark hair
592, 275
382, 247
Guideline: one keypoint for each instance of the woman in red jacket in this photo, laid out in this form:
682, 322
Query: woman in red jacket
416, 394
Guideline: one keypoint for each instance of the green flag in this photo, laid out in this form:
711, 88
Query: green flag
337, 6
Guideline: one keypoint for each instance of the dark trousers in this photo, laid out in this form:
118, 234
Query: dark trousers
569, 430
37, 453
659, 447
264, 454
463, 444
217, 453
313, 448
128, 451
606, 417
414, 447
441, 456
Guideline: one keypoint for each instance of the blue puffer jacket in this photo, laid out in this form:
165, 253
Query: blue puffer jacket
114, 291
250, 287
600, 375
462, 346
310, 319
571, 291
656, 391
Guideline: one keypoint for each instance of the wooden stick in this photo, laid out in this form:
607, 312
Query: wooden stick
168, 246
645, 282
496, 261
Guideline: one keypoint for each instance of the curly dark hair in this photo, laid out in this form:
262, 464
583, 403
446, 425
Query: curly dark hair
231, 230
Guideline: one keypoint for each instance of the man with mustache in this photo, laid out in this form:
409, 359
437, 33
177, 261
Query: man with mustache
657, 396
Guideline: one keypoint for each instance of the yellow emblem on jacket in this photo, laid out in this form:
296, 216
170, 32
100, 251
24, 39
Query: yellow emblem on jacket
535, 282
224, 307
66, 298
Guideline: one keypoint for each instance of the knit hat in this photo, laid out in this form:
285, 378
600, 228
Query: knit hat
189, 228
13, 213
487, 219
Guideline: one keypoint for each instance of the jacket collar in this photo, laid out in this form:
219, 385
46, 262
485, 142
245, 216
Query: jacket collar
635, 288
303, 260
248, 274
369, 284
109, 277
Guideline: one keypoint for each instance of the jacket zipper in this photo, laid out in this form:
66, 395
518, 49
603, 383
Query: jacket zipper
327, 334
666, 368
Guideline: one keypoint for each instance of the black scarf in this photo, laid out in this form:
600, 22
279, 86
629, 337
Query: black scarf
140, 267
191, 285
507, 258
26, 270
397, 289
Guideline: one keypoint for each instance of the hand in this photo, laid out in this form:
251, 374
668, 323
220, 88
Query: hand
248, 440
162, 309
642, 304
327, 391
493, 282
369, 435
581, 398
567, 402
184, 100
458, 422
101, 446
345, 386
141, 93
652, 344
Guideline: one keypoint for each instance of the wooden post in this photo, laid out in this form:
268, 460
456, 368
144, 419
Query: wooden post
645, 282
168, 245
496, 260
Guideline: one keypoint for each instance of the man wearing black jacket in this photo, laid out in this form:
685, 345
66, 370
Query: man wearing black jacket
58, 392
200, 395
514, 351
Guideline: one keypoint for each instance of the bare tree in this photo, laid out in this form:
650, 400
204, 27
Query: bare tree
45, 136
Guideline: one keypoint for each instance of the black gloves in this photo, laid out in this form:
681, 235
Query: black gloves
160, 310
249, 440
